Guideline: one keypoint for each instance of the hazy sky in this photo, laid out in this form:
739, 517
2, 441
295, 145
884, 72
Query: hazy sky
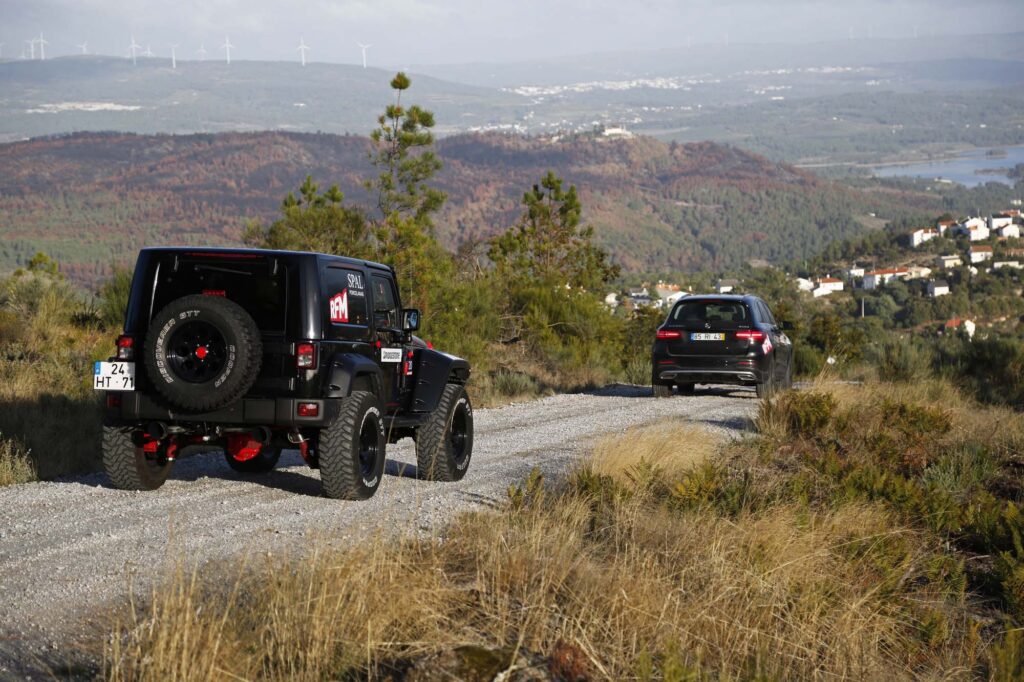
438, 31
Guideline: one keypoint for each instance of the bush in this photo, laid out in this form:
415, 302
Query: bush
902, 359
15, 464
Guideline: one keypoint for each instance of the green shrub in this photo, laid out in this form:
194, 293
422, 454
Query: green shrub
902, 359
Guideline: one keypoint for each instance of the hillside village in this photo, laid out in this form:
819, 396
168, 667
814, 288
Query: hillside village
975, 257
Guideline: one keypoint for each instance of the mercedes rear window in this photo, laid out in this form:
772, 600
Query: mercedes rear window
710, 314
258, 284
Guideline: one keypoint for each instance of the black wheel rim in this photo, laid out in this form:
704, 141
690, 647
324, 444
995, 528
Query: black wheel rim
196, 352
368, 444
458, 434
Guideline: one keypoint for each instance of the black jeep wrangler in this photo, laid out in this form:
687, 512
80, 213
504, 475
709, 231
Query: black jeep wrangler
258, 351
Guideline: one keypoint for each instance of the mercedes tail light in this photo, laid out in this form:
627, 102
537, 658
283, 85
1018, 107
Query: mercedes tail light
669, 334
750, 335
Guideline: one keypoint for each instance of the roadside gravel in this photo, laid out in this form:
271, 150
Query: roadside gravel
70, 547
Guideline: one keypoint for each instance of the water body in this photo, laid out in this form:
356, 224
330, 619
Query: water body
961, 168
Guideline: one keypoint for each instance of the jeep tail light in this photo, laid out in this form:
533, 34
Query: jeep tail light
308, 410
669, 334
750, 335
113, 401
125, 347
305, 356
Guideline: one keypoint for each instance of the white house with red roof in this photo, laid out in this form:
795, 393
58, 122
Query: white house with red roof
922, 235
980, 254
876, 278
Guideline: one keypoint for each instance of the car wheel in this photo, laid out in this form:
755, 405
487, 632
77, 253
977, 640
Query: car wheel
129, 465
444, 443
351, 450
766, 388
265, 461
687, 389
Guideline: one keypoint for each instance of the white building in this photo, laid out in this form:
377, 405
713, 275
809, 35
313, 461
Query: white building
999, 220
922, 235
938, 287
980, 254
830, 283
804, 284
944, 225
1000, 264
855, 272
975, 229
1011, 231
876, 278
918, 272
611, 300
726, 286
953, 261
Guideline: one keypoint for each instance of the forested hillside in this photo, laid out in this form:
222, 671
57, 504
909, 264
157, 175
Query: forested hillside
91, 200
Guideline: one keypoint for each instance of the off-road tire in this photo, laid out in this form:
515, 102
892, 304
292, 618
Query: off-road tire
238, 366
127, 466
339, 446
687, 388
444, 442
260, 464
661, 390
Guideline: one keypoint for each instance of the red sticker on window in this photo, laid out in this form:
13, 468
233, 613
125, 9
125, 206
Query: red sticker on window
339, 307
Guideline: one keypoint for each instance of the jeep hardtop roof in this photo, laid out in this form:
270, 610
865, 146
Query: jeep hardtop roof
270, 253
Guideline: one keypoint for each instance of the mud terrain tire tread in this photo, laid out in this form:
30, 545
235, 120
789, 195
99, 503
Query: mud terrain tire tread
125, 463
435, 456
338, 449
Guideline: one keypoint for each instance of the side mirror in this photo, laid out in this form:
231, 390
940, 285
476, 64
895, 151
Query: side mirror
410, 319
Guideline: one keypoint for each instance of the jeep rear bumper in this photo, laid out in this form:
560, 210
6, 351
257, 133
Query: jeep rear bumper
282, 412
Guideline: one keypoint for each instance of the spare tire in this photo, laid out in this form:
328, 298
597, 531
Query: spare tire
202, 352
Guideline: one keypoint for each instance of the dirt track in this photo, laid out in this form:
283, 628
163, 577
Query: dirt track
67, 548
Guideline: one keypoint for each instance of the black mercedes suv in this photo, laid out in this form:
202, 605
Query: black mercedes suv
256, 351
715, 339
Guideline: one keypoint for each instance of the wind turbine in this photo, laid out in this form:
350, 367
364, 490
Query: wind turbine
174, 56
42, 44
303, 48
31, 48
131, 48
148, 52
364, 48
84, 47
202, 52
227, 49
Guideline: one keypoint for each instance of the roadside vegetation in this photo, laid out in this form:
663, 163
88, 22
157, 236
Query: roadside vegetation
865, 532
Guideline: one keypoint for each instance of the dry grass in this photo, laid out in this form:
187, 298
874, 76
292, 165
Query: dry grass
15, 463
633, 587
671, 447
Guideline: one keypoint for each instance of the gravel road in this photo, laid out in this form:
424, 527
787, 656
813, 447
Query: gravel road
68, 548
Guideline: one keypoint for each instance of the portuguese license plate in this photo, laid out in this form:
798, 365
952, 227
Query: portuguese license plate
113, 376
707, 336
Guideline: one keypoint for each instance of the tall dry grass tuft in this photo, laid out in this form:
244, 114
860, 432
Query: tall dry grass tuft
15, 463
671, 447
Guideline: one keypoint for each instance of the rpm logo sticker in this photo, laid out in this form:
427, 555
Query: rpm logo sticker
339, 307
390, 354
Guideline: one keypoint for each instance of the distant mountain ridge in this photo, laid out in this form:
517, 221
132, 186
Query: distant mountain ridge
91, 199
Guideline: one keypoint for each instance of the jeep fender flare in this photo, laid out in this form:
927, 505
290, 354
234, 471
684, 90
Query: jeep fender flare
348, 371
436, 370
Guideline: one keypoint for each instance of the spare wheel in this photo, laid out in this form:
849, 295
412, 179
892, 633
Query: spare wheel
202, 352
